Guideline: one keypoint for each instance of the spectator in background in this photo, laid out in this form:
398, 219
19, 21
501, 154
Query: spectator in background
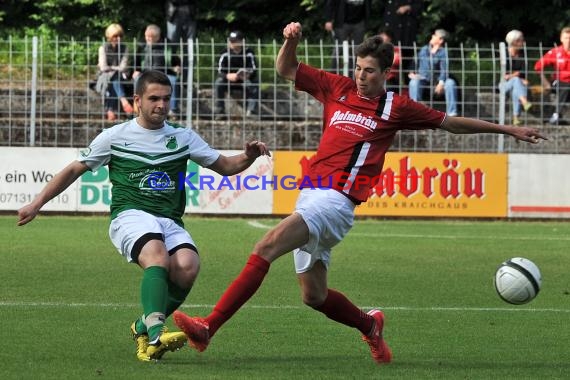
393, 77
346, 20
515, 76
113, 72
237, 68
559, 59
402, 18
180, 20
181, 25
433, 69
154, 55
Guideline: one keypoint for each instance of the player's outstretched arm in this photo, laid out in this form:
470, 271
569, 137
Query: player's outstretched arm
231, 165
59, 183
286, 63
459, 125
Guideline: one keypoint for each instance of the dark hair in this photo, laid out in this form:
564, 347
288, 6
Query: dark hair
375, 47
148, 77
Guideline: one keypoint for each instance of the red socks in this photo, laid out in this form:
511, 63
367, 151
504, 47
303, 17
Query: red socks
336, 306
239, 291
339, 308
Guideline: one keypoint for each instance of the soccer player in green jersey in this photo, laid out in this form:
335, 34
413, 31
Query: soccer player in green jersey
147, 160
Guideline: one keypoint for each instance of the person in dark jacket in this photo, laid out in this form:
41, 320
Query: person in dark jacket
346, 20
515, 81
237, 68
402, 18
154, 55
113, 61
180, 20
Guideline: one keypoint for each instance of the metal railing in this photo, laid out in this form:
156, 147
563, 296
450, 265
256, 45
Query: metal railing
46, 97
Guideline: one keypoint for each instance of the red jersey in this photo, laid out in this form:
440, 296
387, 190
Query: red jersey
357, 131
559, 60
395, 69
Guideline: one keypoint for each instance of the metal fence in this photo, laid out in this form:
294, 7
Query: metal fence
46, 98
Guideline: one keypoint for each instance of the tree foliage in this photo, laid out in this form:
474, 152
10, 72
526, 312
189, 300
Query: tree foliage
490, 20
467, 20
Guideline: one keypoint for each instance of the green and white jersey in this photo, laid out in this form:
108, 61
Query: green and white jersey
148, 167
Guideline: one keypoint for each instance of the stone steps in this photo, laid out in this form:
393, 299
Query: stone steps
73, 116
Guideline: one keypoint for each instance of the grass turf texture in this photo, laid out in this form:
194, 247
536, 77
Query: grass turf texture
67, 300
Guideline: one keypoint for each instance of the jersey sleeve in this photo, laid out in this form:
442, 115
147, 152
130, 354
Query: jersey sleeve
413, 115
99, 151
200, 152
320, 84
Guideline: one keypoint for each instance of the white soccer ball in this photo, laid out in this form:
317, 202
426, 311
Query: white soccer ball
518, 280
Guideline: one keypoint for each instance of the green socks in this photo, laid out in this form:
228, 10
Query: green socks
159, 297
176, 296
140, 327
154, 295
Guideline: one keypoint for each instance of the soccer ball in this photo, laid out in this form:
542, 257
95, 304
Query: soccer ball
518, 280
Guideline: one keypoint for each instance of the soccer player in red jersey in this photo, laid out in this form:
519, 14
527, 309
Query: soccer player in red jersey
360, 120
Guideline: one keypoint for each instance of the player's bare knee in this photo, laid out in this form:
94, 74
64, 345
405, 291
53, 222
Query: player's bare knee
191, 271
184, 277
149, 258
187, 269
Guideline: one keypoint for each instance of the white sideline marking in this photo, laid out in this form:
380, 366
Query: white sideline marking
453, 237
269, 307
256, 224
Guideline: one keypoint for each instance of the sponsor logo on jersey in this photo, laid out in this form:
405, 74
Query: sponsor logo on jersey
358, 119
156, 181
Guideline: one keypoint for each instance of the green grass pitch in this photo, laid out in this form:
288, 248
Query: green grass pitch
67, 299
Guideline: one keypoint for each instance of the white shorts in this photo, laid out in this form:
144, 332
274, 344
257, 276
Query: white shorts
130, 225
329, 216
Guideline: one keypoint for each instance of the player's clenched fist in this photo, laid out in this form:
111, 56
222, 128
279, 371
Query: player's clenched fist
292, 30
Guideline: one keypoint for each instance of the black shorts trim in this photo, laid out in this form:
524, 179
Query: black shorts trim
139, 244
183, 245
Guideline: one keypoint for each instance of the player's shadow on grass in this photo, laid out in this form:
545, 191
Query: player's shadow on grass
286, 361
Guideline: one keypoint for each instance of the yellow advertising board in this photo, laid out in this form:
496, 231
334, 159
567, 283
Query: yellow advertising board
287, 165
417, 184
